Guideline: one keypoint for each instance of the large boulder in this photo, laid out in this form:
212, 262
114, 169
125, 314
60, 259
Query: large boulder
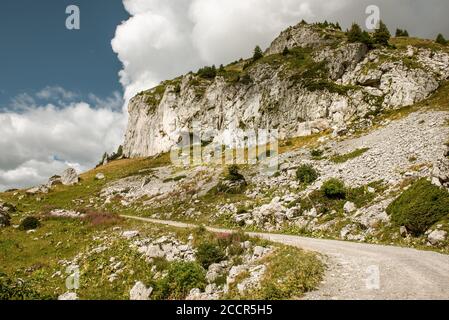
53, 181
37, 190
70, 177
436, 237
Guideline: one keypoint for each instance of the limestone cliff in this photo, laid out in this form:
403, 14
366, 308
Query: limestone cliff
322, 82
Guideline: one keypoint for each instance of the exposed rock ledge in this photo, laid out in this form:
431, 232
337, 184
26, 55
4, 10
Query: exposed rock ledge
358, 83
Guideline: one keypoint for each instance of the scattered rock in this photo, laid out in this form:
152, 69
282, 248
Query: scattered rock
130, 234
53, 181
61, 213
215, 270
403, 231
349, 207
37, 190
140, 292
436, 237
99, 176
68, 296
70, 177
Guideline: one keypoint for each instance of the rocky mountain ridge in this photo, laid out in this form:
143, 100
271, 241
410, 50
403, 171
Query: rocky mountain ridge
311, 79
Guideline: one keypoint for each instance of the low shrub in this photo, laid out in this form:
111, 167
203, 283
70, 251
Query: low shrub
342, 158
258, 53
209, 253
233, 174
232, 242
441, 39
306, 174
18, 290
316, 153
29, 223
181, 278
419, 207
207, 72
334, 189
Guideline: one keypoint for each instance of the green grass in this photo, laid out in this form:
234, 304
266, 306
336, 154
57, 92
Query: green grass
35, 257
290, 274
346, 157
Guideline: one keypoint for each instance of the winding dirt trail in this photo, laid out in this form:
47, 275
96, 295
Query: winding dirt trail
365, 271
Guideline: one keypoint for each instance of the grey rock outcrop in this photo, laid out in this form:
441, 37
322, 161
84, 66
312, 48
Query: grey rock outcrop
437, 236
70, 177
354, 83
140, 292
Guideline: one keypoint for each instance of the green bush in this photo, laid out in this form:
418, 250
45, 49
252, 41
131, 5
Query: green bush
355, 34
208, 72
209, 253
232, 242
401, 33
258, 53
382, 35
440, 39
306, 174
419, 207
17, 290
334, 189
233, 174
181, 278
316, 153
29, 223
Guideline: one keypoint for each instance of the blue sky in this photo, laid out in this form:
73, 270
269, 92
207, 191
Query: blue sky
38, 51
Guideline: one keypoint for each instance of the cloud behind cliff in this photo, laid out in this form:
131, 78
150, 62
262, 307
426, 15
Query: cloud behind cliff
165, 38
51, 132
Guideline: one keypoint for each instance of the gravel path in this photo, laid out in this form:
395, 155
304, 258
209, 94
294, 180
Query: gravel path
365, 271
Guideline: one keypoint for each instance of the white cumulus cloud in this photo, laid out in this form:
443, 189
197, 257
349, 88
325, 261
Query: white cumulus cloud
166, 38
43, 140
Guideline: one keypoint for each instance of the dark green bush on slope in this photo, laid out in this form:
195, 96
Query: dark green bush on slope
29, 223
181, 278
441, 39
334, 189
419, 207
306, 174
209, 253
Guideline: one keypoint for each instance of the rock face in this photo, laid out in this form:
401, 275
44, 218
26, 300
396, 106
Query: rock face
329, 84
69, 177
